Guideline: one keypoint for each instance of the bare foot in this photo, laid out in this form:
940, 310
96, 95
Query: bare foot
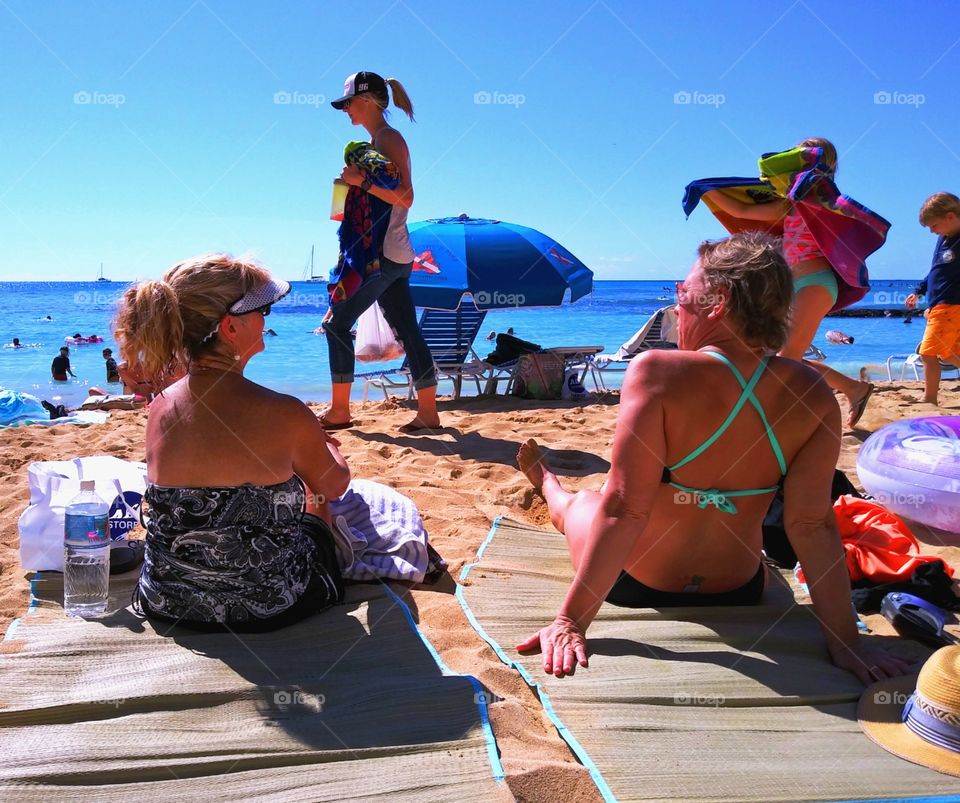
532, 463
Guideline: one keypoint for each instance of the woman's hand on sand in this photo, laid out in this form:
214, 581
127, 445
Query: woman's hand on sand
562, 644
353, 175
870, 663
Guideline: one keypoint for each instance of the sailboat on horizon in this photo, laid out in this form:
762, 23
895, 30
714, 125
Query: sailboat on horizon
309, 274
101, 278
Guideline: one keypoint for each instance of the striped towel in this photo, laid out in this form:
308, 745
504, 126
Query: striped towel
381, 535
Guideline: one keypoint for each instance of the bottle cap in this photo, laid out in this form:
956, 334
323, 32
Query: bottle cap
87, 485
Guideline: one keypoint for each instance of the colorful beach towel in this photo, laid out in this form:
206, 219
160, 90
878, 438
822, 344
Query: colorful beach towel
845, 230
365, 221
743, 189
22, 409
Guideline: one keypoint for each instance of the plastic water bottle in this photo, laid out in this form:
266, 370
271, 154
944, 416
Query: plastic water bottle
86, 553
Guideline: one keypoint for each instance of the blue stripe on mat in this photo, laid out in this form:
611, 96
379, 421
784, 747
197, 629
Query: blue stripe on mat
578, 750
34, 604
479, 695
943, 799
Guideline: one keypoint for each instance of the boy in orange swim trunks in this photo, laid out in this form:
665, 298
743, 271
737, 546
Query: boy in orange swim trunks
941, 339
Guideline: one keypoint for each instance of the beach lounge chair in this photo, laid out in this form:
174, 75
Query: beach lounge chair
914, 361
449, 335
659, 332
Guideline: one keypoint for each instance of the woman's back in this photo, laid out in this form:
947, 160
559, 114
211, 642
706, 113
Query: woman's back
700, 504
218, 428
702, 393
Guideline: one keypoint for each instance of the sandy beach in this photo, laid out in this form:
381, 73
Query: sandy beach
461, 479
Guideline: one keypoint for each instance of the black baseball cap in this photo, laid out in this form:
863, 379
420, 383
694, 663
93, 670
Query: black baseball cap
360, 83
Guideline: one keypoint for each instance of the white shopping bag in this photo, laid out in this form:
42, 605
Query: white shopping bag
55, 483
376, 340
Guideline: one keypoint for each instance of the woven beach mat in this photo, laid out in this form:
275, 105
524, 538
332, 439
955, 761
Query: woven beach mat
690, 704
350, 704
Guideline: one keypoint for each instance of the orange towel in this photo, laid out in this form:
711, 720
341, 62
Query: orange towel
878, 545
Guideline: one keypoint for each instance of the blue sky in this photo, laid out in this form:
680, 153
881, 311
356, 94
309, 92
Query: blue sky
136, 134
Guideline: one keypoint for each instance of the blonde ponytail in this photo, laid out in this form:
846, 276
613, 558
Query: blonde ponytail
149, 329
162, 325
400, 98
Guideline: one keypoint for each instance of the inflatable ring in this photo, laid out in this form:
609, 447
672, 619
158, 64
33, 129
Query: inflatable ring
912, 467
82, 341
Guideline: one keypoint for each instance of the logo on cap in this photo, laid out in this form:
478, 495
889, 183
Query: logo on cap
363, 87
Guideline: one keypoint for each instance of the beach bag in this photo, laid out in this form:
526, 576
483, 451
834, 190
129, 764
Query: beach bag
376, 340
776, 545
539, 376
54, 484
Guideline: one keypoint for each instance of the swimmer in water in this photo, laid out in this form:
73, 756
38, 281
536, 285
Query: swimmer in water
60, 366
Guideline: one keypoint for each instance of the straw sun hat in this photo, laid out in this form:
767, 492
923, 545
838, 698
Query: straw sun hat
921, 725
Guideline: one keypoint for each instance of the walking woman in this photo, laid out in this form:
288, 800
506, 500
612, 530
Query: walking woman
376, 256
814, 280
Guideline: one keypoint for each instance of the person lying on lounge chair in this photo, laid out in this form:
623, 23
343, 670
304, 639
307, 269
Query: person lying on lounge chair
238, 535
678, 521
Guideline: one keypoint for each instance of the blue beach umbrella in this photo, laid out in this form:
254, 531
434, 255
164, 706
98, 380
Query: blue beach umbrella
500, 264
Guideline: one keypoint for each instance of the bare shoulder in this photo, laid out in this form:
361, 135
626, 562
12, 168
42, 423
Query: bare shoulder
805, 383
288, 408
663, 371
390, 136
391, 144
656, 365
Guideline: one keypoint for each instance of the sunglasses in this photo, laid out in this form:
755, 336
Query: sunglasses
264, 311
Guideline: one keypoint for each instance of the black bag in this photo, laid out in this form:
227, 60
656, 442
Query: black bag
510, 348
775, 541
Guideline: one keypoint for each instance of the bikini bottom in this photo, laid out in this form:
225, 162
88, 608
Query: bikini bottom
825, 278
628, 592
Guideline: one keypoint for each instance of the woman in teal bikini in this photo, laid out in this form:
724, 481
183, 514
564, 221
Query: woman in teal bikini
814, 281
678, 521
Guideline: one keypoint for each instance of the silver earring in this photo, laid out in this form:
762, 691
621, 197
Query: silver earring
236, 358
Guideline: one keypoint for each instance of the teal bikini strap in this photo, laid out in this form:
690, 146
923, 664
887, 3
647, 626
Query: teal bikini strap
746, 395
774, 443
719, 499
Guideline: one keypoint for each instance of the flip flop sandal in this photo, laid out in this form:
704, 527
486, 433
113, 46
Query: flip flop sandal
914, 617
410, 429
860, 406
333, 427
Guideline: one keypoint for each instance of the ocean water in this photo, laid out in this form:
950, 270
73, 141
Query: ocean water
295, 361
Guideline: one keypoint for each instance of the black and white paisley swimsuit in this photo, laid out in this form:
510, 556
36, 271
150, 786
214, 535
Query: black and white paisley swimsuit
243, 558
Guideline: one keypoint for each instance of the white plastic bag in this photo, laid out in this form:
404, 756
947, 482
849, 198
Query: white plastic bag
53, 484
572, 386
376, 340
